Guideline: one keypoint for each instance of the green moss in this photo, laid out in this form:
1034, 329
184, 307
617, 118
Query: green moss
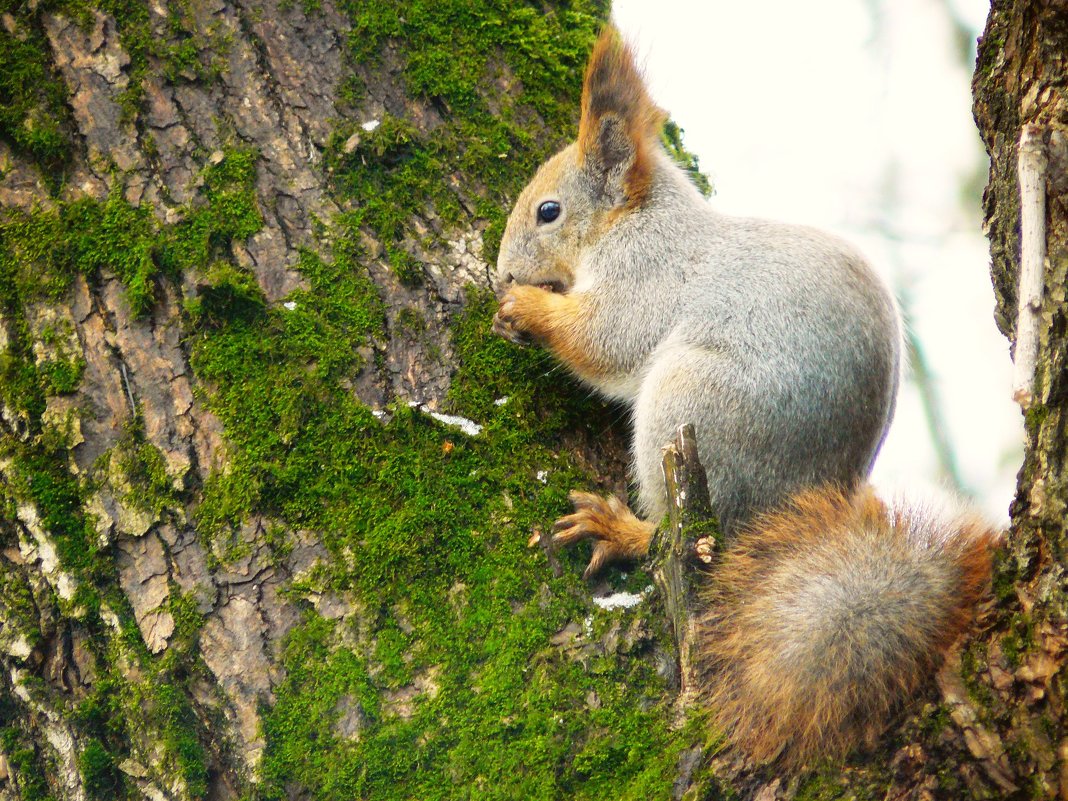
410, 321
117, 236
42, 252
101, 777
62, 376
542, 400
180, 49
509, 718
935, 721
172, 711
1019, 639
393, 177
1004, 582
138, 697
1034, 417
225, 211
225, 292
40, 477
33, 112
139, 471
861, 780
19, 610
28, 768
974, 661
45, 250
187, 618
454, 49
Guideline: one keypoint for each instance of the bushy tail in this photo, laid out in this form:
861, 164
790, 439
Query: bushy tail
825, 616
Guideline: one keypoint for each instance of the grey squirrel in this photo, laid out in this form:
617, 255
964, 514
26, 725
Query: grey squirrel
828, 608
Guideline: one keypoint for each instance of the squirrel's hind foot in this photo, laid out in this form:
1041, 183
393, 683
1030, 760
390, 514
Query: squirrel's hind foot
616, 532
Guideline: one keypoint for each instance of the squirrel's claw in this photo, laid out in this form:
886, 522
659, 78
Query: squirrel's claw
506, 322
600, 557
616, 532
503, 327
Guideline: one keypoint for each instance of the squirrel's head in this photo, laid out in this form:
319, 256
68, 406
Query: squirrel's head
589, 185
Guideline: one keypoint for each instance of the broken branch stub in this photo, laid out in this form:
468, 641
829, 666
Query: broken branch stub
686, 539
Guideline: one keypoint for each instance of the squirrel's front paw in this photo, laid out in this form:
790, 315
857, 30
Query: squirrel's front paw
616, 533
505, 324
514, 316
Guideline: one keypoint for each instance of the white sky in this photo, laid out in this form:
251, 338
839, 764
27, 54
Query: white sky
809, 112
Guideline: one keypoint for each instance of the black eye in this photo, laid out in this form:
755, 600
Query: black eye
548, 211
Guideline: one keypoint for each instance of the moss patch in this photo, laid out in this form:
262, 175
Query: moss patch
487, 143
33, 113
465, 666
41, 253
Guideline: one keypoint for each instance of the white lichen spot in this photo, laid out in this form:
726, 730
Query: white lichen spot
622, 600
19, 648
370, 125
542, 475
109, 617
469, 427
290, 305
43, 549
59, 738
65, 585
501, 401
18, 679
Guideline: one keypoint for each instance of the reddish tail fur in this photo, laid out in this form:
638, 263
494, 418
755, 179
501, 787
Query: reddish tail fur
825, 616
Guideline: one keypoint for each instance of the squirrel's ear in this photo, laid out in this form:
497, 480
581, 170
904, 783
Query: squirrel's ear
620, 124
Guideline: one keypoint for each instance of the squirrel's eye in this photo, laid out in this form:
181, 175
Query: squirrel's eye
548, 211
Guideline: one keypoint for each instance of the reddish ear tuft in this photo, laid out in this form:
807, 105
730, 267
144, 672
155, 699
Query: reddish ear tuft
614, 88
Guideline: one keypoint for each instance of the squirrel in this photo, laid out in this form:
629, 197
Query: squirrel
828, 608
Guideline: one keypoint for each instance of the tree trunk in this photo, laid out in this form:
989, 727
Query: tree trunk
245, 254
1017, 670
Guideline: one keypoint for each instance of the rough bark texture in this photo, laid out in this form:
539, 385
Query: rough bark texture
1017, 671
239, 242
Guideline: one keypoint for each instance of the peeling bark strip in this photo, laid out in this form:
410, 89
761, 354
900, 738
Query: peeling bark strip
1032, 173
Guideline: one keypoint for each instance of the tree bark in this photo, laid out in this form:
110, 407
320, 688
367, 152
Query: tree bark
245, 252
1018, 666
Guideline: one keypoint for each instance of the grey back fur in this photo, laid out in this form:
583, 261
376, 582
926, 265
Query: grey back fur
778, 342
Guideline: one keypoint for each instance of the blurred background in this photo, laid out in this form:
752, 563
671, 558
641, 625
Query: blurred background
855, 116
